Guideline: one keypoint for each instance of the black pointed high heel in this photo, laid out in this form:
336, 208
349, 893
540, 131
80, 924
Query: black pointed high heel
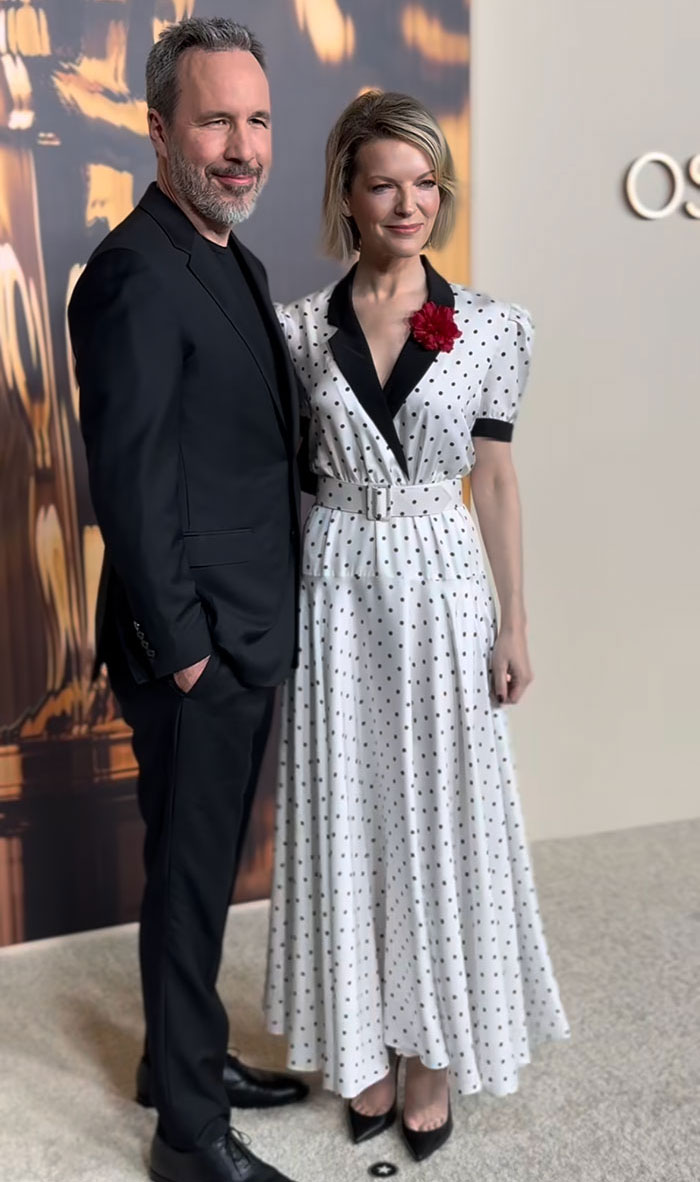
363, 1128
422, 1144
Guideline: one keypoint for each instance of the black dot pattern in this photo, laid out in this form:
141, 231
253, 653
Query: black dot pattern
404, 912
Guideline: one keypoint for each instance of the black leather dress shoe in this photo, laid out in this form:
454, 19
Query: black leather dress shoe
246, 1087
225, 1160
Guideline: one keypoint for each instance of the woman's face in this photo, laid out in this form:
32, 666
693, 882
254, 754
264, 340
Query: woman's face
394, 198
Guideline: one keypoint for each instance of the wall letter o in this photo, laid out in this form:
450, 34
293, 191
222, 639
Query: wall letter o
633, 176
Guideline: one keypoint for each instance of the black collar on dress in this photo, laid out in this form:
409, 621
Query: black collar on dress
354, 358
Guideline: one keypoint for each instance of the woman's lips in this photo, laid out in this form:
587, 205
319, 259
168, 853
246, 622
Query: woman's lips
407, 230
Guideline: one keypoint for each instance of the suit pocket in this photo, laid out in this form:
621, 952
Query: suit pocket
219, 547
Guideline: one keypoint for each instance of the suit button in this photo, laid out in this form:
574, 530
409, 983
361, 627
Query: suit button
150, 652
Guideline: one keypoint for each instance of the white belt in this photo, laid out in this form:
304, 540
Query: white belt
379, 502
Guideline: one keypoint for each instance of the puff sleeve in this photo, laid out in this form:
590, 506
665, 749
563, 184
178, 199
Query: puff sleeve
506, 378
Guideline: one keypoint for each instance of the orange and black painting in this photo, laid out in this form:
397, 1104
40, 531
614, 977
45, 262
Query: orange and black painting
74, 158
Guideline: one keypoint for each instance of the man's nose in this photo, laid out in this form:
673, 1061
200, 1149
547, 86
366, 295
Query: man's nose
239, 145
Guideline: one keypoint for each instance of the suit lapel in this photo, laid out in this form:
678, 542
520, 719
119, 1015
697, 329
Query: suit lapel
354, 360
204, 267
255, 273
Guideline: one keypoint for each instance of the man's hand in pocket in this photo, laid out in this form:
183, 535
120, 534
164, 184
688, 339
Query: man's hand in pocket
185, 679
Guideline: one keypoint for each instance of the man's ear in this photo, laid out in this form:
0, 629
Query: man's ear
156, 132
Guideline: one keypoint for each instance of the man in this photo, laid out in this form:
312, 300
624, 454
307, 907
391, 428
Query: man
188, 410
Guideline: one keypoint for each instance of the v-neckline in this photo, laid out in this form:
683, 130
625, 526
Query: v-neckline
353, 357
362, 335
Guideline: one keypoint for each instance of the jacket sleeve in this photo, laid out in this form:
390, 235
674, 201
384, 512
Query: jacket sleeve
128, 356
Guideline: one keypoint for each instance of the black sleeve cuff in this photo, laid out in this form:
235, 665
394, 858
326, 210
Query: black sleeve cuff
493, 429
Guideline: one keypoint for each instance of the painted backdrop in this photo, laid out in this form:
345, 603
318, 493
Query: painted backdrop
74, 157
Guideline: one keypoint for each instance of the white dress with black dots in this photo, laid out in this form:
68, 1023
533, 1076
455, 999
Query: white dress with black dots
403, 911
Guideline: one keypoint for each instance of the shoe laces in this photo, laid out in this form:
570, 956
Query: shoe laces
237, 1146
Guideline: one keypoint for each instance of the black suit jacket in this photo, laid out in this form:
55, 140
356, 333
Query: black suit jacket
191, 437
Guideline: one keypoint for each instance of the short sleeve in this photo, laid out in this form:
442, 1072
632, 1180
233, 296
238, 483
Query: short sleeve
288, 316
506, 378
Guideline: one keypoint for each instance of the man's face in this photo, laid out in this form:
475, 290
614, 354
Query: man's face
218, 149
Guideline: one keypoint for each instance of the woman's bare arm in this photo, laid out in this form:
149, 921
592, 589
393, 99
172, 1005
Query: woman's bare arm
494, 486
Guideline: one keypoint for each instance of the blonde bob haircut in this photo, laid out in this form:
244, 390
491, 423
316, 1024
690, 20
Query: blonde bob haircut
379, 115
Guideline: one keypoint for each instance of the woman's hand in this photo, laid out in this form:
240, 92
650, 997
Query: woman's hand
510, 666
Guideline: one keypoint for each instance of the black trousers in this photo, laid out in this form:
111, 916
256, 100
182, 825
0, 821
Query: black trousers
199, 756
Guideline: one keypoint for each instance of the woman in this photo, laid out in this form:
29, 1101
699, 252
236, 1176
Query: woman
404, 917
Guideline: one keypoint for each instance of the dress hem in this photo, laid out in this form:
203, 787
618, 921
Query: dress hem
313, 1066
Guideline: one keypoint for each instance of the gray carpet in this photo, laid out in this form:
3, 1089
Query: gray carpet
619, 1103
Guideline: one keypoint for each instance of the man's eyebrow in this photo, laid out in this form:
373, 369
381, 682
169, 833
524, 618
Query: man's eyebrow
227, 115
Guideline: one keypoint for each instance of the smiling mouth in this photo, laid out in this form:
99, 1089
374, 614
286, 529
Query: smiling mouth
404, 229
235, 182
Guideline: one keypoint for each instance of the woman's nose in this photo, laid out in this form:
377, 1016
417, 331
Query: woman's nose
405, 203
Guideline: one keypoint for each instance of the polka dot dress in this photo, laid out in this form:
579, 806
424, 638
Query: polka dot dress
404, 913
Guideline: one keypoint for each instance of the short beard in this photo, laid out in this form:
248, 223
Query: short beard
194, 185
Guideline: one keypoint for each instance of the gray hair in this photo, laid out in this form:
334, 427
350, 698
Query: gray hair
213, 34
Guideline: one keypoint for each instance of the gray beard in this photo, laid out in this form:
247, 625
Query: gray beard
194, 185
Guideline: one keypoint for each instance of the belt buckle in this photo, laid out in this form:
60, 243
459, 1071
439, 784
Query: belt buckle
378, 502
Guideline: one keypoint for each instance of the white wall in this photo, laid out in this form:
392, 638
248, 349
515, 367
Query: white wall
565, 96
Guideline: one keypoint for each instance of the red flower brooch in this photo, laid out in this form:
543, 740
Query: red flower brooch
433, 326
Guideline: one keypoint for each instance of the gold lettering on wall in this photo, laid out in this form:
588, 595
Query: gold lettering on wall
425, 32
330, 31
676, 177
692, 208
677, 189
